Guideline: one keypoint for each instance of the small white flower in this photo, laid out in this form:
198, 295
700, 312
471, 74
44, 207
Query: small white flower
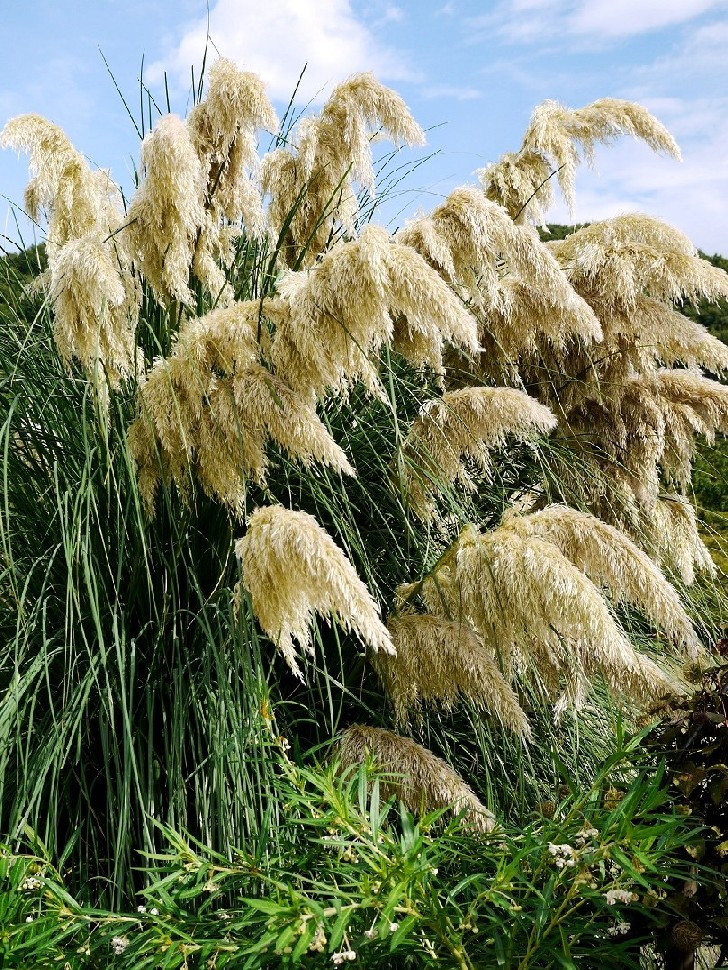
370, 934
28, 919
119, 943
619, 929
154, 911
614, 896
393, 927
564, 855
141, 909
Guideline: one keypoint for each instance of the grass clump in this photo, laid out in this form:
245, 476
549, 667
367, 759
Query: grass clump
248, 442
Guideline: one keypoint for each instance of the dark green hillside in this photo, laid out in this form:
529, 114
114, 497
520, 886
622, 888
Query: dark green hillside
714, 316
17, 271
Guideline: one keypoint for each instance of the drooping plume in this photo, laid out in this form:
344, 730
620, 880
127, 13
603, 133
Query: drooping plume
89, 279
328, 340
614, 263
293, 569
311, 187
632, 417
533, 606
422, 781
522, 181
520, 295
96, 299
671, 529
76, 200
440, 661
465, 426
211, 407
223, 129
167, 213
612, 561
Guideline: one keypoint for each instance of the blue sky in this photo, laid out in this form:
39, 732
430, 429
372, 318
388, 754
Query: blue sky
470, 71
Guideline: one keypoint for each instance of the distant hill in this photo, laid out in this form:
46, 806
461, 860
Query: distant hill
17, 271
714, 316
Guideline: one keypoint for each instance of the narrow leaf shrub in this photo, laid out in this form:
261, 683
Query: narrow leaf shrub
354, 877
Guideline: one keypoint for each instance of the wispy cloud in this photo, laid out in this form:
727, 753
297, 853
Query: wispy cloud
451, 91
621, 18
276, 39
525, 21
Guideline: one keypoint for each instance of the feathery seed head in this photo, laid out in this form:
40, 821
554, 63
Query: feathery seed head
613, 263
503, 269
95, 299
466, 424
436, 661
649, 333
672, 529
611, 560
223, 130
91, 286
328, 340
76, 200
527, 599
211, 407
293, 569
167, 211
311, 191
521, 181
422, 781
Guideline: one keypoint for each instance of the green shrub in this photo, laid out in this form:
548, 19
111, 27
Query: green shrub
351, 878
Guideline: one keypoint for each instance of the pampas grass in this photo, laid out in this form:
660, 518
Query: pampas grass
247, 436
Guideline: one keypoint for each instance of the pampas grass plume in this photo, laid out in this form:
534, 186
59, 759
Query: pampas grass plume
293, 569
421, 780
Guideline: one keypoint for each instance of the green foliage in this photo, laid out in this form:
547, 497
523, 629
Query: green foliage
141, 701
132, 684
118, 645
711, 314
17, 273
349, 877
555, 230
694, 741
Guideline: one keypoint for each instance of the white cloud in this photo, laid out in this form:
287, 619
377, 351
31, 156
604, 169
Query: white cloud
525, 21
701, 55
275, 38
451, 91
621, 18
393, 15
